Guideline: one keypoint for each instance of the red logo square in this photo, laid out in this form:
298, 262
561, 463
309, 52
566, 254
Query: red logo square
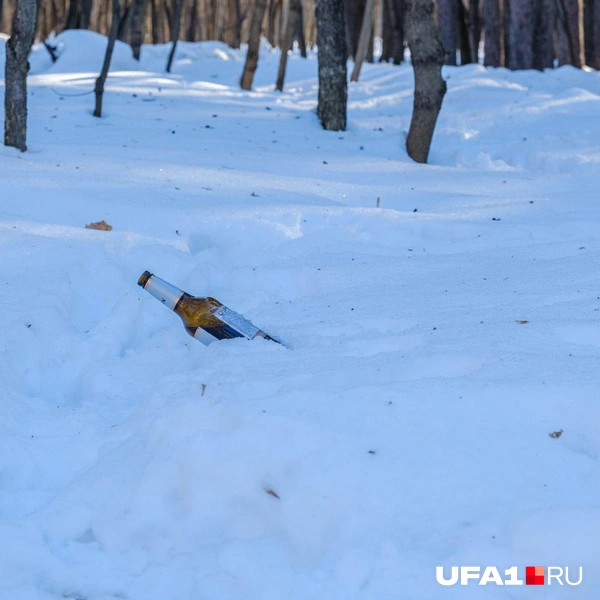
534, 575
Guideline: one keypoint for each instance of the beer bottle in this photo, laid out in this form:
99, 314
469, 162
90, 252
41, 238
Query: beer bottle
205, 319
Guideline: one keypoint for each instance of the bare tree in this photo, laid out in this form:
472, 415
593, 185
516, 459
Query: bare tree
253, 44
175, 27
447, 11
295, 14
137, 22
494, 33
364, 39
521, 34
15, 74
427, 58
569, 32
543, 36
112, 38
333, 86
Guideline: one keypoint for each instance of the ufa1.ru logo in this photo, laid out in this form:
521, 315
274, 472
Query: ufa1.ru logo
533, 576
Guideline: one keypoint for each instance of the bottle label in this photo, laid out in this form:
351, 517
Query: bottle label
237, 322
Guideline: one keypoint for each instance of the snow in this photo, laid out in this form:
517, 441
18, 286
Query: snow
433, 343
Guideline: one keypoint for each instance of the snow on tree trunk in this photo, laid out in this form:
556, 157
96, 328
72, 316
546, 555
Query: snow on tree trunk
427, 58
253, 44
333, 86
15, 74
447, 11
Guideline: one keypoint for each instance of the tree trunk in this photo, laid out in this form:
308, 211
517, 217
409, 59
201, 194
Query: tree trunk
543, 46
568, 32
299, 33
521, 34
447, 11
294, 16
427, 59
253, 44
493, 30
232, 26
363, 40
333, 86
112, 38
138, 20
15, 74
175, 27
355, 10
596, 35
474, 29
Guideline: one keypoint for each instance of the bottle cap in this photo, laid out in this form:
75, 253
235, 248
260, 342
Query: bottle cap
144, 278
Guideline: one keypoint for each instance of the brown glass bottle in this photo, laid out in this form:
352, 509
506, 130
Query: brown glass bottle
205, 319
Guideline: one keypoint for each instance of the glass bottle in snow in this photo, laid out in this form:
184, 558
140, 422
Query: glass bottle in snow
205, 319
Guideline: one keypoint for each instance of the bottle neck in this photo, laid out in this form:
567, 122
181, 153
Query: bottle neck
163, 291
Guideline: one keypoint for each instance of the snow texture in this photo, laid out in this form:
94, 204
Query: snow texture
433, 343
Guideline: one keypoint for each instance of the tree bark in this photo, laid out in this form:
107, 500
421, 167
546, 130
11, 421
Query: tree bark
137, 23
299, 33
363, 40
112, 38
427, 58
355, 10
175, 27
253, 44
543, 43
521, 34
569, 32
333, 86
15, 74
447, 11
294, 15
493, 30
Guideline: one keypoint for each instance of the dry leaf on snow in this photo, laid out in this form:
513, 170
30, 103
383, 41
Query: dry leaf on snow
100, 226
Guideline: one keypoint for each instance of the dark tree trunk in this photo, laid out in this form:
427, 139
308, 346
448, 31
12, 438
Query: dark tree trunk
595, 62
466, 42
333, 86
521, 34
494, 37
299, 33
448, 28
112, 38
568, 32
15, 74
386, 34
427, 58
253, 44
232, 28
86, 14
474, 28
543, 46
293, 17
175, 27
137, 22
363, 40
355, 10
397, 14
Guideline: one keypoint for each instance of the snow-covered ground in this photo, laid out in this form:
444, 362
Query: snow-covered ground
433, 343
